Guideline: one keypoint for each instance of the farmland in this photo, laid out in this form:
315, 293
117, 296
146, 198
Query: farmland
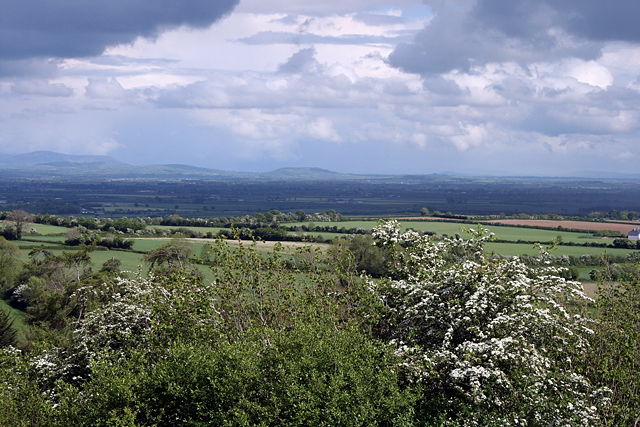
578, 225
453, 228
251, 276
361, 196
509, 240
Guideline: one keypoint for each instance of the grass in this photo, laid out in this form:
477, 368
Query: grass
452, 228
19, 322
43, 229
49, 238
324, 235
146, 245
131, 261
513, 249
28, 244
203, 230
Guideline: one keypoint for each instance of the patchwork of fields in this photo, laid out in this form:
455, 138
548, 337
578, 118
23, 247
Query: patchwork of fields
511, 240
453, 228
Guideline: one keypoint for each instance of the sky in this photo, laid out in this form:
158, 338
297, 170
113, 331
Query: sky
496, 87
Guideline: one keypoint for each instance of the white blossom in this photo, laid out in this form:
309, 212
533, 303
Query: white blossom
492, 333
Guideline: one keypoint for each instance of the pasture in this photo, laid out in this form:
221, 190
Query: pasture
453, 228
38, 229
623, 228
19, 321
515, 249
203, 230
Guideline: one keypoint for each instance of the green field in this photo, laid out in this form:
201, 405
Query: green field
131, 261
28, 244
19, 322
513, 249
53, 236
324, 235
203, 230
47, 238
147, 245
452, 228
43, 229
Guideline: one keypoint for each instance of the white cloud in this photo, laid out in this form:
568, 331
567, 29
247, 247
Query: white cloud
105, 88
472, 85
41, 87
470, 136
323, 129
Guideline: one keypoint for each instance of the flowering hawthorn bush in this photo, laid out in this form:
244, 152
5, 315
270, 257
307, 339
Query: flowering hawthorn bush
492, 341
143, 315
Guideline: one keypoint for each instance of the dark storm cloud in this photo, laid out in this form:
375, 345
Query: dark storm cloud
65, 28
469, 33
33, 67
591, 19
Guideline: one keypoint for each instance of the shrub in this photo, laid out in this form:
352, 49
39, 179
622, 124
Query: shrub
614, 357
493, 341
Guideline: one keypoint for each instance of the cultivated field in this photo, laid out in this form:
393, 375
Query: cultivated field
578, 225
52, 238
452, 228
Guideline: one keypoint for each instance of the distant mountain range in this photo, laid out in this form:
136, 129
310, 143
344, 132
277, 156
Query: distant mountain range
48, 163
45, 164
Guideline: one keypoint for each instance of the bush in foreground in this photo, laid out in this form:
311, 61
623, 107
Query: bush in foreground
492, 341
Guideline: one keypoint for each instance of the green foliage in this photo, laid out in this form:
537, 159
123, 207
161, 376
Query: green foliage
7, 331
309, 375
451, 336
173, 255
366, 256
112, 265
19, 218
493, 341
614, 359
21, 401
9, 263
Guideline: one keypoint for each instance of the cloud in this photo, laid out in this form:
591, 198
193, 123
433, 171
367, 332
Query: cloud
484, 86
303, 61
31, 67
41, 87
282, 37
326, 7
379, 19
470, 33
64, 29
104, 88
323, 129
589, 19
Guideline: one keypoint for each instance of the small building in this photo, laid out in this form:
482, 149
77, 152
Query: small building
634, 234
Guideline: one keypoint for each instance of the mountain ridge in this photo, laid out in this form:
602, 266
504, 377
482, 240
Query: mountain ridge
50, 163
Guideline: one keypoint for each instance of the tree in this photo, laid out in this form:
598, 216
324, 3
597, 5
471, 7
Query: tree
614, 357
492, 340
9, 263
78, 261
170, 256
112, 265
366, 256
7, 331
19, 219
